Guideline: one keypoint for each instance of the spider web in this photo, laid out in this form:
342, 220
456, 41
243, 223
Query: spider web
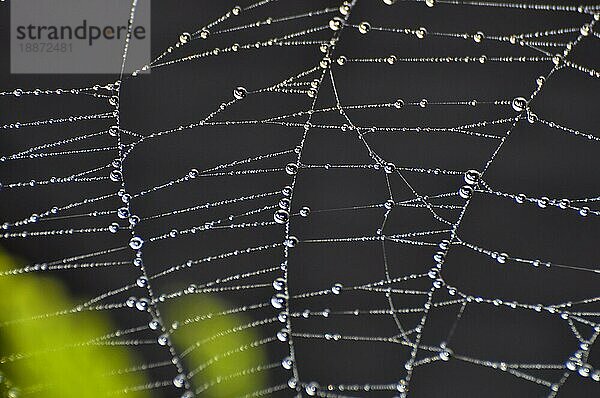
340, 187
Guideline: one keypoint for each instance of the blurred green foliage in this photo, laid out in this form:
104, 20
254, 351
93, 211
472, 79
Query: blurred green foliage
219, 354
62, 356
59, 366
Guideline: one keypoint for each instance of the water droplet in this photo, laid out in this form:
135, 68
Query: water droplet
279, 284
240, 93
193, 173
291, 168
282, 317
278, 301
337, 288
123, 212
336, 23
154, 324
292, 383
142, 281
585, 30
136, 243
113, 228
115, 175
130, 302
571, 364
283, 335
287, 363
399, 103
163, 339
557, 59
133, 220
304, 211
540, 81
291, 242
585, 370
284, 204
478, 37
421, 33
281, 216
446, 354
312, 388
389, 168
502, 257
364, 27
519, 104
564, 203
179, 380
142, 304
13, 392
472, 177
465, 192
185, 37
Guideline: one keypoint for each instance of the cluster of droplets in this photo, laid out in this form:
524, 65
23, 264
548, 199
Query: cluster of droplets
8, 389
563, 204
577, 363
471, 179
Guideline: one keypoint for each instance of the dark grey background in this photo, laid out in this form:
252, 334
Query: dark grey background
536, 160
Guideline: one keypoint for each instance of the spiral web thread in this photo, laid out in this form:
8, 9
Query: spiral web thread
325, 27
